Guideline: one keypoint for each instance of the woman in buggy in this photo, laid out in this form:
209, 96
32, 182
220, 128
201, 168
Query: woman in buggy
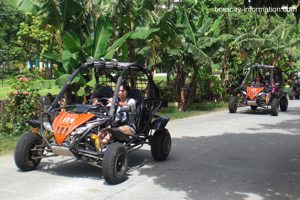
124, 120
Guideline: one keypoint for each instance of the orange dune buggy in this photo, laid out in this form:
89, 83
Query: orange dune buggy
73, 130
267, 95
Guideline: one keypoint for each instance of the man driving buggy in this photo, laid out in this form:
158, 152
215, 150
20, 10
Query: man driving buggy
125, 121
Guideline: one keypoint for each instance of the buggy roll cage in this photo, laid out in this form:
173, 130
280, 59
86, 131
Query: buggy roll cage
260, 66
103, 64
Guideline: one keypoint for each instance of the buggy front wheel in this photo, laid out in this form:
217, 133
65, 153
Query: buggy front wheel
284, 104
27, 150
291, 94
161, 145
274, 107
233, 105
115, 163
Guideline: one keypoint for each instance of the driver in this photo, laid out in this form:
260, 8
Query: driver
258, 81
125, 119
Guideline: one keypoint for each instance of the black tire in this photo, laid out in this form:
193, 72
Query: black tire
274, 107
115, 163
161, 145
253, 107
232, 106
284, 104
23, 152
297, 96
291, 94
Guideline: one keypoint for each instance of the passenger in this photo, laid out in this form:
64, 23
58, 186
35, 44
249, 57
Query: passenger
273, 89
275, 86
124, 119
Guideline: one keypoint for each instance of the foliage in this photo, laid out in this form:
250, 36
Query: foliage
22, 105
188, 39
33, 37
10, 18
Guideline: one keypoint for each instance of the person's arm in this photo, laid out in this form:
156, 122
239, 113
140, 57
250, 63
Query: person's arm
122, 104
132, 104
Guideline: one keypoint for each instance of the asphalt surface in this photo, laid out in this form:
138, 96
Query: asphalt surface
218, 156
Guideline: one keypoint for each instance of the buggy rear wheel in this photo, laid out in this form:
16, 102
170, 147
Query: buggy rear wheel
274, 107
233, 105
26, 151
115, 163
284, 104
161, 145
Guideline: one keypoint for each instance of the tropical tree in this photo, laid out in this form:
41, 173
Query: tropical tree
33, 37
10, 19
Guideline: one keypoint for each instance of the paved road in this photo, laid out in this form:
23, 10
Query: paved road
218, 156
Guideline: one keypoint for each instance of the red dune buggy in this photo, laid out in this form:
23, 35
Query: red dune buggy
268, 94
73, 130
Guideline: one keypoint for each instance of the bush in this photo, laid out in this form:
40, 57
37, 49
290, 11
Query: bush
22, 105
167, 91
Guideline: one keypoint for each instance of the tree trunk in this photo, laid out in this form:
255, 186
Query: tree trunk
275, 59
192, 88
180, 81
225, 74
182, 103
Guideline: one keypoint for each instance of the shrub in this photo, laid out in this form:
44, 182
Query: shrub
22, 105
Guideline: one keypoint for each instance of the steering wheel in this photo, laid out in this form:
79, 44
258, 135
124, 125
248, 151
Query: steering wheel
103, 100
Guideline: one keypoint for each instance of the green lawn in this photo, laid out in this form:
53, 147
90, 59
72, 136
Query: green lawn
48, 85
198, 109
7, 144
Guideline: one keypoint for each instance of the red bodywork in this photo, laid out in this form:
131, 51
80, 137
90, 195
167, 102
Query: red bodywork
253, 91
66, 122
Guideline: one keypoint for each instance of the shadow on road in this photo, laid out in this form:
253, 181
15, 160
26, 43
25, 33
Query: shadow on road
260, 166
257, 166
258, 111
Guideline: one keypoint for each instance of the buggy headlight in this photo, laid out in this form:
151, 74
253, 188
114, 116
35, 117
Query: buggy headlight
48, 126
260, 94
244, 93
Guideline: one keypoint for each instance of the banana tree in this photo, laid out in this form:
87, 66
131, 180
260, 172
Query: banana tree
75, 52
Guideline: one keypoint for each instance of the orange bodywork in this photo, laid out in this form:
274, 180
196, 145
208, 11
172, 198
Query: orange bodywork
253, 91
66, 122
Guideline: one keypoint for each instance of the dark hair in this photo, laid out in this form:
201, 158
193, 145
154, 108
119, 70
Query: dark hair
126, 87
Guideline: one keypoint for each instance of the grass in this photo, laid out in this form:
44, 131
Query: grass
5, 88
8, 144
49, 87
198, 109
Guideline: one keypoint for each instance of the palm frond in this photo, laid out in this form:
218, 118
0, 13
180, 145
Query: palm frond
254, 43
244, 37
197, 53
51, 10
